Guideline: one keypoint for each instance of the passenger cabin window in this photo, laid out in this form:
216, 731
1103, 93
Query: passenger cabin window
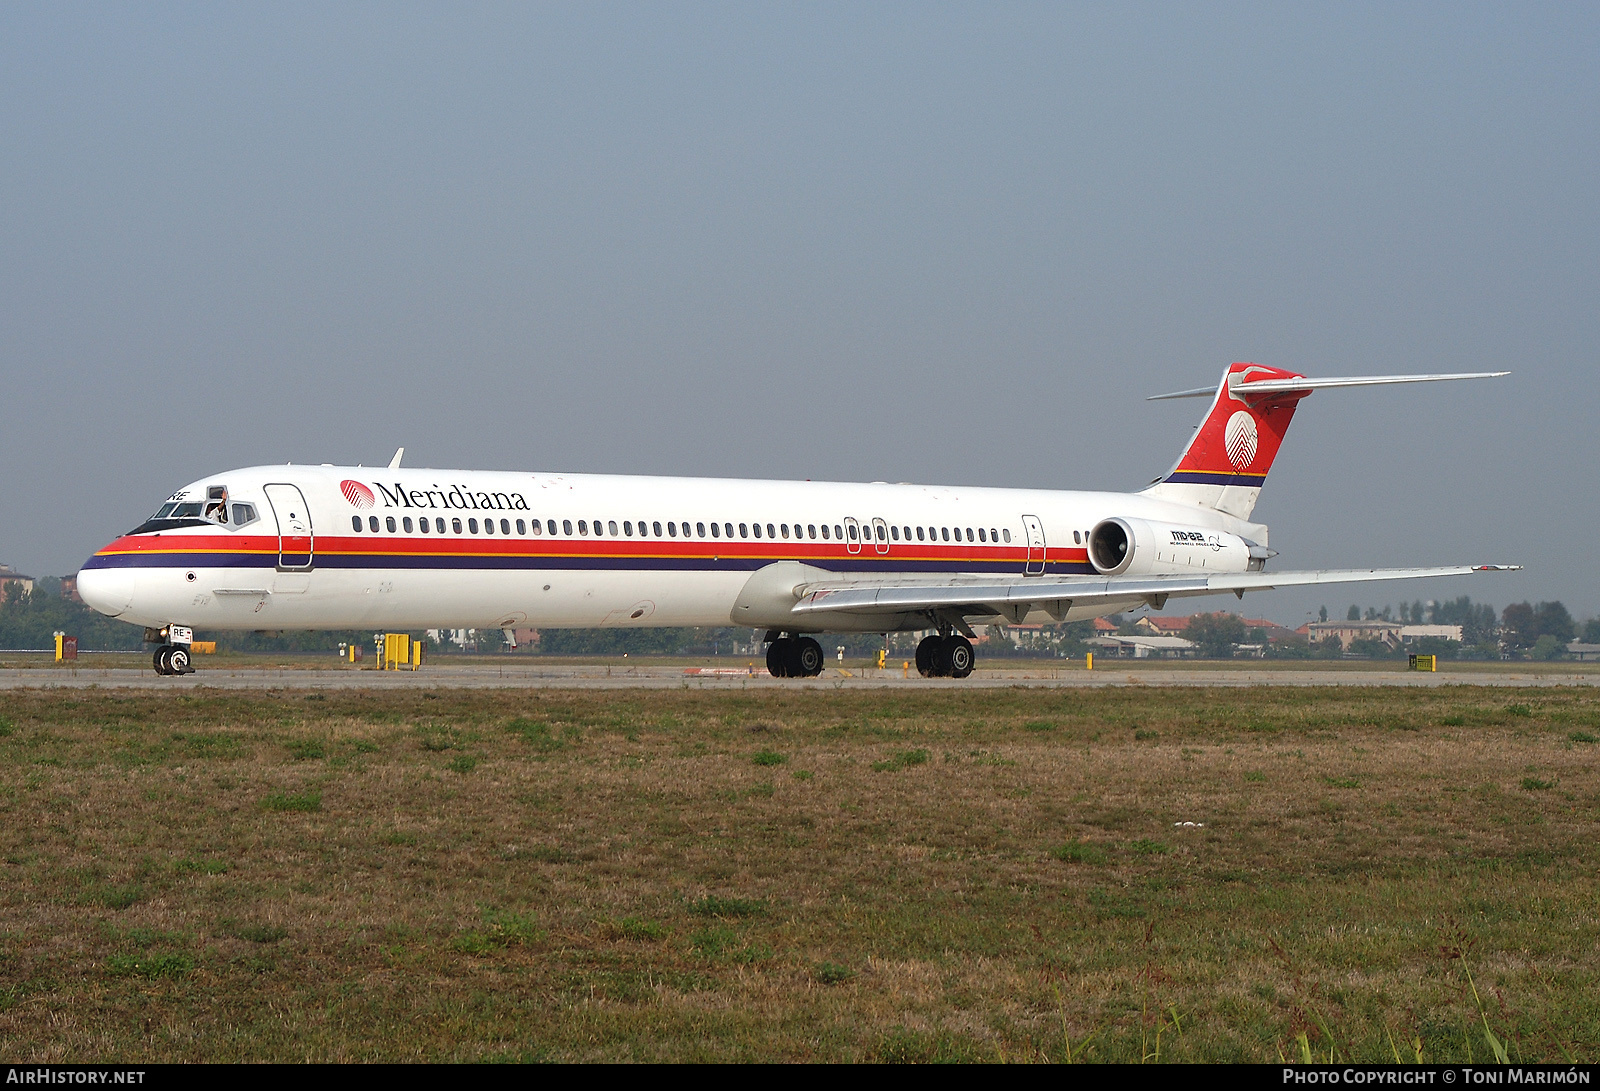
757, 528
699, 530
455, 525
583, 527
551, 523
372, 521
389, 522
744, 531
1007, 533
505, 526
472, 525
672, 529
522, 526
824, 531
811, 530
406, 522
355, 523
919, 534
488, 526
727, 529
611, 527
655, 529
715, 531
566, 527
438, 524
422, 525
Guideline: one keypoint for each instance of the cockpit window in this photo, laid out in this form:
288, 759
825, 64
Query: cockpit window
217, 503
244, 514
174, 515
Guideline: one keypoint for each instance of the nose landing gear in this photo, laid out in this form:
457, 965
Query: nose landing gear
172, 657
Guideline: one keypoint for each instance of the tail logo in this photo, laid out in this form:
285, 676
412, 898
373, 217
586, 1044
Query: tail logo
1240, 439
361, 497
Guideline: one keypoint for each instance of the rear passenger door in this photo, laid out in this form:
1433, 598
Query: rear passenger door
1036, 548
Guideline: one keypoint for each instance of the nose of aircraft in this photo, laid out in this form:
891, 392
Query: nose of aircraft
109, 590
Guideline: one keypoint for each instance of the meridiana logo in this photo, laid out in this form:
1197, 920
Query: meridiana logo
1240, 439
358, 494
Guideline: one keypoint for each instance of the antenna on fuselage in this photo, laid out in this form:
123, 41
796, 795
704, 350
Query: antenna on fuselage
394, 463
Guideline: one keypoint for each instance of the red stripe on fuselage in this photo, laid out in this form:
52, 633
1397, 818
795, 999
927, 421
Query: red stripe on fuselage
618, 548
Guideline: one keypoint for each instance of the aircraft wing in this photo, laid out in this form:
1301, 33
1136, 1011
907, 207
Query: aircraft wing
1016, 597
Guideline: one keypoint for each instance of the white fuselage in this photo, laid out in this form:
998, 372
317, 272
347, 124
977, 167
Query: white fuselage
345, 548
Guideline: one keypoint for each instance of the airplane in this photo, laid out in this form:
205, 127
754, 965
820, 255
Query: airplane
271, 548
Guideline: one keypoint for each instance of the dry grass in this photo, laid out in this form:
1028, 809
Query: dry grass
811, 876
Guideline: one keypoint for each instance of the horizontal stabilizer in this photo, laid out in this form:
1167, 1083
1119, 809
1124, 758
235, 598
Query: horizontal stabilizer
1055, 596
1285, 386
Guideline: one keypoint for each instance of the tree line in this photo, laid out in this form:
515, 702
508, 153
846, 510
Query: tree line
30, 619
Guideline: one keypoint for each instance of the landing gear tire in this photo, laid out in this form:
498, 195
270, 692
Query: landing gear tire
959, 657
778, 656
807, 658
159, 660
178, 661
927, 652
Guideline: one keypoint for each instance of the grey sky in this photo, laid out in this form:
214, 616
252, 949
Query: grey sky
952, 244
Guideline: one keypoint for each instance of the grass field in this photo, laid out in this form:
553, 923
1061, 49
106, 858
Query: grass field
878, 875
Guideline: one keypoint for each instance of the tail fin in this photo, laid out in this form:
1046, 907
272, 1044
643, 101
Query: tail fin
1229, 455
1227, 460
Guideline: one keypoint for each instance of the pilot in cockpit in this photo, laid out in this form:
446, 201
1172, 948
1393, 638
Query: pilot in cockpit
217, 503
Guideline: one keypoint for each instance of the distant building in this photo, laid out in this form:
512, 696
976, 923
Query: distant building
1162, 626
13, 582
1143, 647
1580, 650
1409, 633
1177, 626
69, 588
1347, 632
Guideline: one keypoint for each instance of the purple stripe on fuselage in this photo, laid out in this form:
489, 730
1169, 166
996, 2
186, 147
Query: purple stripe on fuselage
435, 563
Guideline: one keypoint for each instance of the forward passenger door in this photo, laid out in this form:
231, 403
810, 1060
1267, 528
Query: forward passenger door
295, 545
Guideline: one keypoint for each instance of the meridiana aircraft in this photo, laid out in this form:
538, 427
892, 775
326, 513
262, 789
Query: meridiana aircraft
325, 547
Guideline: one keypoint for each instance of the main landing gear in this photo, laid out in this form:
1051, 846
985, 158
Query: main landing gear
794, 657
945, 657
172, 659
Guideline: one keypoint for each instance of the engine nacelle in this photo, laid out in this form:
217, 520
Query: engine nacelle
1144, 547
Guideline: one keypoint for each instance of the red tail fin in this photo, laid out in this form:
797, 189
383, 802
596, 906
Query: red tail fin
1227, 460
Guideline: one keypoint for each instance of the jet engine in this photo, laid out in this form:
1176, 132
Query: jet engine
1144, 547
